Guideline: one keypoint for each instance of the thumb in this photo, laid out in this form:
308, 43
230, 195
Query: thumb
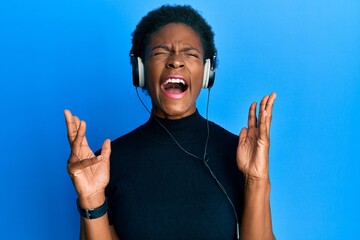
243, 136
106, 149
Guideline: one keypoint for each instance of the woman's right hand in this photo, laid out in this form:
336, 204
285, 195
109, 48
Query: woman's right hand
89, 173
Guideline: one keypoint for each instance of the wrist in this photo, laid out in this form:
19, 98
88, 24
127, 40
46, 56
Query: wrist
93, 213
256, 183
260, 179
92, 201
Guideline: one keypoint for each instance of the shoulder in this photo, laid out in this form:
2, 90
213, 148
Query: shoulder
127, 140
222, 133
222, 141
123, 141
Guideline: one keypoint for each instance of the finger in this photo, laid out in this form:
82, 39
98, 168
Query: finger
270, 103
262, 119
263, 126
106, 149
78, 141
252, 121
71, 125
77, 122
269, 108
262, 116
263, 105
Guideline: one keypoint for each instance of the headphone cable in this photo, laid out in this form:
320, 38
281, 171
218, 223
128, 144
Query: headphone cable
205, 158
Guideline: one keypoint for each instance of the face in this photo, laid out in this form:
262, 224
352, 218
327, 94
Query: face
174, 69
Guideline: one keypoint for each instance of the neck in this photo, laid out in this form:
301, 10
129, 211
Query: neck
172, 115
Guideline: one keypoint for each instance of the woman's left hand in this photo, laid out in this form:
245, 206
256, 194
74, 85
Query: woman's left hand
254, 141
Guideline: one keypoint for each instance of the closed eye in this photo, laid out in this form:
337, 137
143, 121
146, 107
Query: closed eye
163, 50
160, 50
157, 53
192, 55
191, 52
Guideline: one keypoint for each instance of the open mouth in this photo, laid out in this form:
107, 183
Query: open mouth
175, 85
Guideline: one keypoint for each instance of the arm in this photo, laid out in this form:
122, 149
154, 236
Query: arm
256, 219
253, 161
90, 175
97, 229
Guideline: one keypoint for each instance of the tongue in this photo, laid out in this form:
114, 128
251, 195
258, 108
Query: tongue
173, 88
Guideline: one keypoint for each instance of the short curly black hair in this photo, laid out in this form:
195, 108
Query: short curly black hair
166, 14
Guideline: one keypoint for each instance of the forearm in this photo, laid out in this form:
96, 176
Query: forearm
95, 229
256, 220
98, 228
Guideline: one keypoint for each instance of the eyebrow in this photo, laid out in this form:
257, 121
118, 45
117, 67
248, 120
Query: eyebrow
182, 50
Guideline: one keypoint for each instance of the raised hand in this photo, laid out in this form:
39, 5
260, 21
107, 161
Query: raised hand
254, 141
89, 173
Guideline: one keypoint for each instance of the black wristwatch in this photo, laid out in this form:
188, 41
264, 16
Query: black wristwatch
94, 212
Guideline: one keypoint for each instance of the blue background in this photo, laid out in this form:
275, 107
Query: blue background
74, 54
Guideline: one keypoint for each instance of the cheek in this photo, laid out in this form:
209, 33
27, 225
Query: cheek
151, 77
197, 75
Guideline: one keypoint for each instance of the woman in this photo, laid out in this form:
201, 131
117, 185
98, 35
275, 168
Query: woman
178, 176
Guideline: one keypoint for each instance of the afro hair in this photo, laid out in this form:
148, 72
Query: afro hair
158, 18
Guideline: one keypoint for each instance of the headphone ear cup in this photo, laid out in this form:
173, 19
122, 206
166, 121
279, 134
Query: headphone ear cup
211, 77
209, 74
138, 72
141, 72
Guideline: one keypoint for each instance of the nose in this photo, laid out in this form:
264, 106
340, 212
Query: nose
175, 62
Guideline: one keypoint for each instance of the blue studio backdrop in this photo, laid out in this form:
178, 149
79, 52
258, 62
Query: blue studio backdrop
74, 54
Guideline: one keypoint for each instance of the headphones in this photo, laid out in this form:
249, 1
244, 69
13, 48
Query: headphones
139, 75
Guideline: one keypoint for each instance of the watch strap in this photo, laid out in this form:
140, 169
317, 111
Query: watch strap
93, 213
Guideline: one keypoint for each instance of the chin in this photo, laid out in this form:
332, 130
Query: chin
175, 113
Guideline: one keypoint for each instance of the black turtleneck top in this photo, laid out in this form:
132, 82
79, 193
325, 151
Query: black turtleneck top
158, 191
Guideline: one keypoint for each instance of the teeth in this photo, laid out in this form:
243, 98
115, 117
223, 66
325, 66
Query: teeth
175, 80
